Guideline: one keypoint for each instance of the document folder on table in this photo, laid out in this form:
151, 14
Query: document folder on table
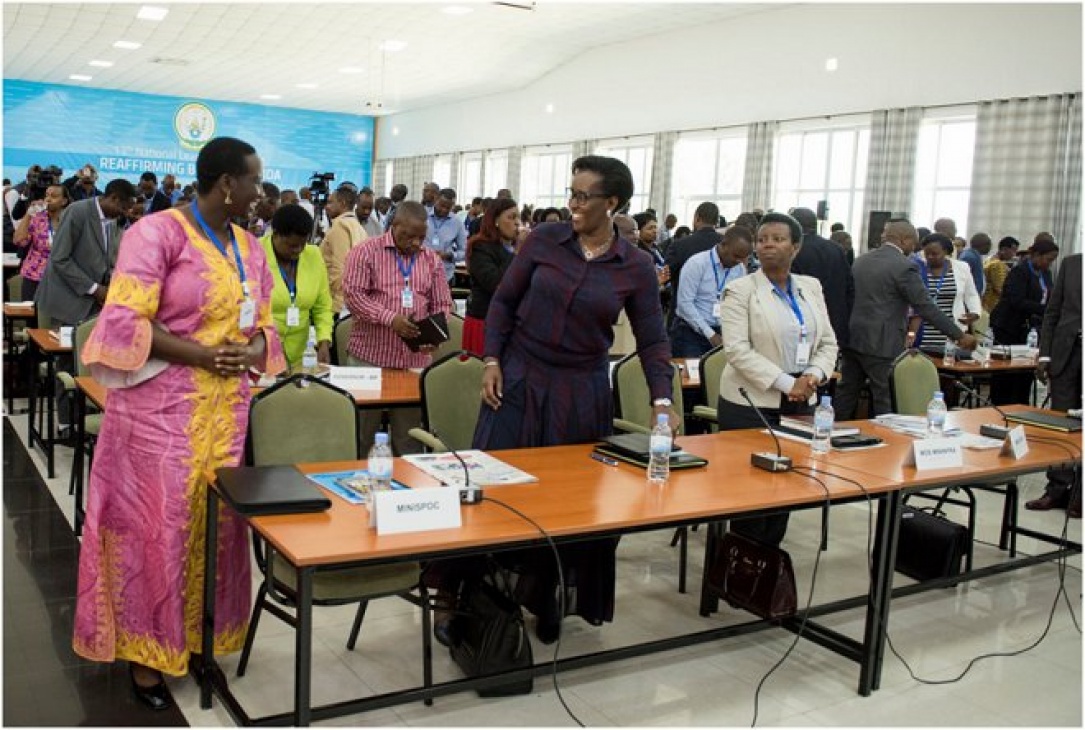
633, 448
270, 490
1050, 421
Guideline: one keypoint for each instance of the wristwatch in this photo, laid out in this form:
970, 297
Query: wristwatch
665, 402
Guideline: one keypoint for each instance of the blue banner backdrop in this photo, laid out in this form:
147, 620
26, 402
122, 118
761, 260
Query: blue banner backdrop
123, 134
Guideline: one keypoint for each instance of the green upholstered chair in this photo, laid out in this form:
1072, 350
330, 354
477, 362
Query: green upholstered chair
92, 421
454, 343
340, 338
633, 402
301, 419
450, 390
912, 382
712, 364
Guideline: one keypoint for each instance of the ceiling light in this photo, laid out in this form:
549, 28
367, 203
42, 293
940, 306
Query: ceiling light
549, 108
271, 97
128, 45
457, 10
352, 70
80, 77
395, 131
830, 64
100, 64
306, 86
152, 12
393, 46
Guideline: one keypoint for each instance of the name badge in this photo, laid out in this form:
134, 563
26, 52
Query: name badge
406, 298
293, 316
716, 309
416, 510
1016, 444
938, 453
802, 354
248, 314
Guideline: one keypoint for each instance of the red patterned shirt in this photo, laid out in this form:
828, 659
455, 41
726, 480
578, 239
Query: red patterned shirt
373, 278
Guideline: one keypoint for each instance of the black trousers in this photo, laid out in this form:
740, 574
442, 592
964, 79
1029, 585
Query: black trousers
1065, 390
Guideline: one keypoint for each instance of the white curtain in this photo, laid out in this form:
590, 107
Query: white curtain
757, 177
380, 185
512, 178
659, 196
1026, 173
412, 172
894, 136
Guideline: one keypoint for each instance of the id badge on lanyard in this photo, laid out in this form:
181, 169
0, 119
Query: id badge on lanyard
248, 312
802, 351
293, 316
716, 308
407, 296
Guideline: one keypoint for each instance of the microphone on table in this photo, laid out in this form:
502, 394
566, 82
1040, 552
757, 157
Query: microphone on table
468, 494
990, 430
765, 459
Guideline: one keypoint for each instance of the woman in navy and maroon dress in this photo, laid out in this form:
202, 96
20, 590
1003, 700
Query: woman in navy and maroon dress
548, 334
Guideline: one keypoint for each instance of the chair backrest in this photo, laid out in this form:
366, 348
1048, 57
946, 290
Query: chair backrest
454, 343
15, 288
303, 418
451, 398
712, 364
340, 338
982, 325
82, 334
633, 401
912, 382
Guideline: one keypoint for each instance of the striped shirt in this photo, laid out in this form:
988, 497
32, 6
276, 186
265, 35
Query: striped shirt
373, 286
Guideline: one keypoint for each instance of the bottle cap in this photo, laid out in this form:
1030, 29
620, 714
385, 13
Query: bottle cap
381, 438
826, 401
938, 395
662, 419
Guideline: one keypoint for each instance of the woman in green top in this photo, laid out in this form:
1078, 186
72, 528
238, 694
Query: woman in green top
301, 295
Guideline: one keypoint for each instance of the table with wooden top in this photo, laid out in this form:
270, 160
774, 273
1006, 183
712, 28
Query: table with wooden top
13, 312
46, 347
972, 370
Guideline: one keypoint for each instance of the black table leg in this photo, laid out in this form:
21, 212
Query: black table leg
303, 662
50, 410
77, 457
210, 568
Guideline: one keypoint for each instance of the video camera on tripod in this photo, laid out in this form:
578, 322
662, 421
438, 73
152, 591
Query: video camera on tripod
319, 189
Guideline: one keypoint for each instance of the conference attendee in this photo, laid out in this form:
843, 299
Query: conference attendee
626, 226
887, 283
430, 191
1060, 366
344, 234
835, 228
188, 315
780, 346
305, 200
489, 254
301, 296
997, 269
825, 261
474, 213
666, 231
445, 235
680, 232
504, 193
391, 282
703, 238
171, 189
647, 232
363, 211
397, 195
696, 328
265, 208
1021, 307
976, 253
946, 226
132, 215
950, 286
547, 375
35, 234
77, 277
83, 184
843, 239
290, 197
154, 200
383, 206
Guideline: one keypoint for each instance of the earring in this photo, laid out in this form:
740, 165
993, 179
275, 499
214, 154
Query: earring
228, 199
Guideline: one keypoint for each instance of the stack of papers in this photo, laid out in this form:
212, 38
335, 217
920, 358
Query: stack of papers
485, 470
911, 425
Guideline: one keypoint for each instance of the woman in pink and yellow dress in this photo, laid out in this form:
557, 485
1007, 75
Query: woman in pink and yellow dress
188, 314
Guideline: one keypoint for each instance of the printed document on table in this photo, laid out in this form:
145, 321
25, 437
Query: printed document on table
485, 470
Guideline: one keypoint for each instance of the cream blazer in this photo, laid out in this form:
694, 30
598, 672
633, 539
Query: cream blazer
752, 341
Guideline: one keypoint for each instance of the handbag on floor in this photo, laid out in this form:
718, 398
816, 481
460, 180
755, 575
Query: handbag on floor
491, 636
753, 576
930, 546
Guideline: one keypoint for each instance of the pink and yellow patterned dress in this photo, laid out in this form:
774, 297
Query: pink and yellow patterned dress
167, 427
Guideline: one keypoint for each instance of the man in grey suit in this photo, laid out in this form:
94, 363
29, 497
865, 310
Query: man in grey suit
83, 254
887, 282
1060, 366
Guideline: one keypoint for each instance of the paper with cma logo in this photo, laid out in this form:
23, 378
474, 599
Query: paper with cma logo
485, 470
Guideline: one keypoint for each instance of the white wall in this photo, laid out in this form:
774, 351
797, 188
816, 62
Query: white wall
768, 65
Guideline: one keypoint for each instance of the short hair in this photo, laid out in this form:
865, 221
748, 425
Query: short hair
446, 193
708, 213
411, 209
120, 188
617, 179
555, 211
941, 239
365, 190
979, 238
840, 236
271, 190
346, 197
476, 200
735, 233
747, 221
292, 220
643, 219
922, 232
793, 226
807, 219
149, 176
63, 191
835, 227
1043, 236
1009, 242
399, 187
682, 231
1044, 245
221, 156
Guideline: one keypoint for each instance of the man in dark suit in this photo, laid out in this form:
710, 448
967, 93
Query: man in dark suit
826, 262
887, 282
1060, 367
703, 238
84, 251
154, 199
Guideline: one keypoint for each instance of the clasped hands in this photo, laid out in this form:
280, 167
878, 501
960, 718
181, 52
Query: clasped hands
805, 386
232, 358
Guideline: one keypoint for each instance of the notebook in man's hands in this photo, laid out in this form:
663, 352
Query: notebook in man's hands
270, 490
433, 330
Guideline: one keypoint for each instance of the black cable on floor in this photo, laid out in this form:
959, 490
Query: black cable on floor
561, 598
869, 502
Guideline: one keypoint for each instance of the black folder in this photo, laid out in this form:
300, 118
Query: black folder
1050, 421
633, 448
433, 330
270, 490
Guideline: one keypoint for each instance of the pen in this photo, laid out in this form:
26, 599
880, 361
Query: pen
604, 459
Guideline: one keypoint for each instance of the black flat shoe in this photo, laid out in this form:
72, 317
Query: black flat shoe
157, 697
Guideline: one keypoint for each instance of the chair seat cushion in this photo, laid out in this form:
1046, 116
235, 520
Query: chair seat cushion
353, 583
93, 424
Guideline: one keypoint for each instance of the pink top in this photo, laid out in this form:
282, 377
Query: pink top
40, 242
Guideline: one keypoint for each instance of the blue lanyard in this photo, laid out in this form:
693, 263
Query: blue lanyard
291, 285
727, 275
405, 272
1038, 275
795, 308
222, 247
941, 280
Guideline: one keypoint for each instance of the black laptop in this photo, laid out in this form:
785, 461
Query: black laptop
633, 448
270, 490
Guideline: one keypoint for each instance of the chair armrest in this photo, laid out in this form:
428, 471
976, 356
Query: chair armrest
705, 413
427, 439
621, 424
66, 380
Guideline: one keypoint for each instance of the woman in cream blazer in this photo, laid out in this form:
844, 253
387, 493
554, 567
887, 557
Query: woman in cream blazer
780, 346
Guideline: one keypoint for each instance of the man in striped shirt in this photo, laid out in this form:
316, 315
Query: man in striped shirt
390, 282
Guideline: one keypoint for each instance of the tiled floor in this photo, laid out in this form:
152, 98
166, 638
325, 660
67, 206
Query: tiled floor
938, 633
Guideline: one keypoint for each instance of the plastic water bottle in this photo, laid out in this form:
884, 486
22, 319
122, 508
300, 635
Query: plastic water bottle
949, 357
308, 358
659, 452
1033, 342
936, 415
823, 426
379, 466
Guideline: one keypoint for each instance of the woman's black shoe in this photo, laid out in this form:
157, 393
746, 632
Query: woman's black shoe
157, 697
548, 629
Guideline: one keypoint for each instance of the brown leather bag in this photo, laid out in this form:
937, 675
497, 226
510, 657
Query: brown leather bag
753, 576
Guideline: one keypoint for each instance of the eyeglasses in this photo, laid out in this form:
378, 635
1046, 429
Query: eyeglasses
580, 197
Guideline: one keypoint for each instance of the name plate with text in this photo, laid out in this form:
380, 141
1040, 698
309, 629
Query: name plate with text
937, 453
1016, 444
416, 510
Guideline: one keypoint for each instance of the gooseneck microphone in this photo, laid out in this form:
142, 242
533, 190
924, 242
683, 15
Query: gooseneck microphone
990, 430
764, 459
468, 494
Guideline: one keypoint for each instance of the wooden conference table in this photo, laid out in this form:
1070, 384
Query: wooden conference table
579, 498
14, 311
47, 347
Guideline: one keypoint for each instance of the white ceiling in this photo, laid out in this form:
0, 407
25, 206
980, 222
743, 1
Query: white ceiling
240, 51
